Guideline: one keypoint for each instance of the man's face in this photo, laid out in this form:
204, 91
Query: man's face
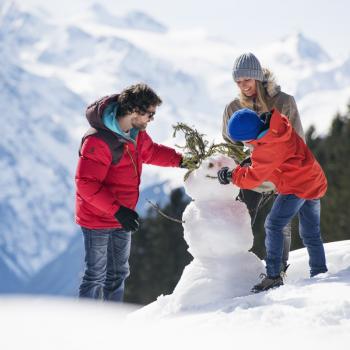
140, 120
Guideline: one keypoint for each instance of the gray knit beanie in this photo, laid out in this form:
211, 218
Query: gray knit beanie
247, 66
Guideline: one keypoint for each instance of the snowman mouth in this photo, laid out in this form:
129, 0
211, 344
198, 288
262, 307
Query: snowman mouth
211, 176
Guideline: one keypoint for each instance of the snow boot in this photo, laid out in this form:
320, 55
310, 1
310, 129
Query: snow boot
267, 283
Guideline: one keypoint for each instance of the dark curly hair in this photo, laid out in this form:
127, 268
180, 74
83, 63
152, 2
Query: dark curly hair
136, 98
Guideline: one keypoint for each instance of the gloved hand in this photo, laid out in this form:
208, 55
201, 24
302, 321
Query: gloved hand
128, 218
246, 162
265, 117
224, 176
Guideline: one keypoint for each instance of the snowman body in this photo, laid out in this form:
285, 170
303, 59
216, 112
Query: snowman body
218, 232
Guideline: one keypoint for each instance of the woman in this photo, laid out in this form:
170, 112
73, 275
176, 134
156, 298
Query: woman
260, 93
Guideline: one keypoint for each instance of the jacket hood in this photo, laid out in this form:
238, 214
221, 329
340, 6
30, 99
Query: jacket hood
270, 84
280, 130
111, 123
94, 112
96, 122
101, 115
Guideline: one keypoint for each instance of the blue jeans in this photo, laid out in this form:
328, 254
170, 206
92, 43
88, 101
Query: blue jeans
284, 208
107, 254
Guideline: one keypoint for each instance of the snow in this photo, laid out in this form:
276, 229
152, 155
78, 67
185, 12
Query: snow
303, 313
218, 232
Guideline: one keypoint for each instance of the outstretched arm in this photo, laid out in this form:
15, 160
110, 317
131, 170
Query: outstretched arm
264, 163
156, 154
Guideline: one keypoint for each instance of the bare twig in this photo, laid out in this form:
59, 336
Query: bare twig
155, 206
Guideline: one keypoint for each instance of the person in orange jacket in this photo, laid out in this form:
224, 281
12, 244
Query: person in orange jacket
281, 156
259, 91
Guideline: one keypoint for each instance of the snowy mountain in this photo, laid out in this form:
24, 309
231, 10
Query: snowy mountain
304, 313
296, 49
36, 153
45, 89
50, 71
132, 20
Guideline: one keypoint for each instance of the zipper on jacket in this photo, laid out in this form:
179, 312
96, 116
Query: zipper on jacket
132, 159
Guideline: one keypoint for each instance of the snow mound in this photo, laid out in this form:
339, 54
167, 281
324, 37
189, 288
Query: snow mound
304, 313
218, 232
320, 301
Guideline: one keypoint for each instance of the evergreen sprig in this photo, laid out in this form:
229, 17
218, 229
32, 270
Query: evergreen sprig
197, 148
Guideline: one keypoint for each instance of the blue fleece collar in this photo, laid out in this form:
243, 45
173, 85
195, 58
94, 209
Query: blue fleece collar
263, 133
110, 122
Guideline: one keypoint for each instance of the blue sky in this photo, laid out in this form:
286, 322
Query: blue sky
247, 23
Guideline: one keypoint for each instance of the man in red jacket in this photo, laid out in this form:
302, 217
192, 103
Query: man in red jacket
282, 157
107, 184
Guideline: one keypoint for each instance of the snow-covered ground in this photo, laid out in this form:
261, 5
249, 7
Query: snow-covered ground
215, 288
307, 313
212, 305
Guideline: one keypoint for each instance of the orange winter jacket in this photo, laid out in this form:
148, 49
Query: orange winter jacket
282, 157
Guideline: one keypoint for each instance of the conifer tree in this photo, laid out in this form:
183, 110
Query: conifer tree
159, 253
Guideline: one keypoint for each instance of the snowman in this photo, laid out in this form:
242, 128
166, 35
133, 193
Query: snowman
218, 232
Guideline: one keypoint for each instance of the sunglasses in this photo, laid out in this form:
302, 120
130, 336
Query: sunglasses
149, 114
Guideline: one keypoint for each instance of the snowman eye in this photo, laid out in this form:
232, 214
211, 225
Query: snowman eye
210, 165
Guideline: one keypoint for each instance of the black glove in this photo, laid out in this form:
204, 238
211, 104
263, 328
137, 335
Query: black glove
246, 162
128, 218
224, 176
265, 117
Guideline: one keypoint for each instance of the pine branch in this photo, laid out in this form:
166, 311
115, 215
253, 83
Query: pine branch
196, 148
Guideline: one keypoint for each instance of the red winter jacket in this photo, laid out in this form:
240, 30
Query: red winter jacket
282, 157
102, 187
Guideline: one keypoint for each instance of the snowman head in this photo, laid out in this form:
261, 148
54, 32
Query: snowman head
202, 184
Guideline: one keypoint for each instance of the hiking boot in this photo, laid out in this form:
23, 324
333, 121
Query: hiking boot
267, 283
